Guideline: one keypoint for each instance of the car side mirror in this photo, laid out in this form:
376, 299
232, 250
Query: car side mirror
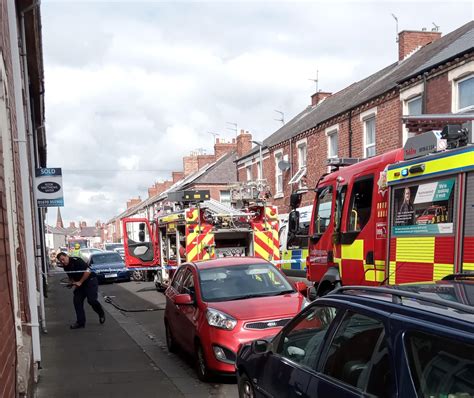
183, 299
301, 287
260, 346
295, 200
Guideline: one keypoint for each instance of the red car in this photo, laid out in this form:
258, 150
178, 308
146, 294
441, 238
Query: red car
213, 307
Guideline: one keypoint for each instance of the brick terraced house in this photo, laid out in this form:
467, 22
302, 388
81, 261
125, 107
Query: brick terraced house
433, 74
22, 149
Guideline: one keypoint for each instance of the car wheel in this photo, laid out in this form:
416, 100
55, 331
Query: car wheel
202, 370
246, 389
170, 343
137, 276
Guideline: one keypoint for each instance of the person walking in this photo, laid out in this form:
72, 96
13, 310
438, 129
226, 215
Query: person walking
85, 285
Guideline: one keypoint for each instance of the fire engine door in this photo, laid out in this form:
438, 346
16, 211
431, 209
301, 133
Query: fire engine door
139, 243
358, 236
467, 262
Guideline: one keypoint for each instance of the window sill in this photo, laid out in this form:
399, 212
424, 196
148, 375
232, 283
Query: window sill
279, 195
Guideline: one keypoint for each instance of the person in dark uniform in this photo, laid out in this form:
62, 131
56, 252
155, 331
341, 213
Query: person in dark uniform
85, 285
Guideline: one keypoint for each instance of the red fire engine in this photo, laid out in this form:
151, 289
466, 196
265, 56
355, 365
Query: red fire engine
201, 230
370, 222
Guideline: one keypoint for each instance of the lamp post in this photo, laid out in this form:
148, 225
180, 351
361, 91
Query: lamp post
260, 145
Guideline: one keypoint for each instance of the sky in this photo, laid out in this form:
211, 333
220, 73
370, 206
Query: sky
133, 86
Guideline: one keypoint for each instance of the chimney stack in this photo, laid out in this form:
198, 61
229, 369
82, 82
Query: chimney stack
177, 175
83, 224
221, 147
133, 202
244, 143
319, 97
72, 224
410, 41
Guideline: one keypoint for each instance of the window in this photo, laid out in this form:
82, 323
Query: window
358, 355
225, 197
302, 155
332, 144
248, 170
278, 174
465, 92
361, 204
440, 366
259, 170
369, 136
323, 210
302, 342
187, 286
424, 209
178, 278
414, 106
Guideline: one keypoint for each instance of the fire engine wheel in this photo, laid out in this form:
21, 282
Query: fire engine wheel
202, 370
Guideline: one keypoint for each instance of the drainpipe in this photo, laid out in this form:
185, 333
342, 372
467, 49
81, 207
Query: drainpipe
28, 214
423, 96
350, 133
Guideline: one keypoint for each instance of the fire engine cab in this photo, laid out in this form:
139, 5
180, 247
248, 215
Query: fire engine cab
401, 217
199, 229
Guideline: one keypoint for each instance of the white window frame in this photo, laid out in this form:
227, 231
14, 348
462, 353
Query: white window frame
405, 97
330, 133
229, 201
364, 118
248, 172
278, 156
455, 76
456, 93
299, 145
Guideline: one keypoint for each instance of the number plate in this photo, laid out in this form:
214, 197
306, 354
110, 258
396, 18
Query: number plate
110, 275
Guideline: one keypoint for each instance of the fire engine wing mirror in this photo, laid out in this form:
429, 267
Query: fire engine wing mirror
293, 221
141, 232
183, 299
295, 200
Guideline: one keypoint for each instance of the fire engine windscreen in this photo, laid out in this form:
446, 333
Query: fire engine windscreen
424, 208
139, 242
323, 210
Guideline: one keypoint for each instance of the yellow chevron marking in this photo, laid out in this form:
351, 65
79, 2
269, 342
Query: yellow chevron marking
417, 250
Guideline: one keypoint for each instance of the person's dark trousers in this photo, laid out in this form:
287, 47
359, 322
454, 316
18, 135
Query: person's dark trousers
89, 289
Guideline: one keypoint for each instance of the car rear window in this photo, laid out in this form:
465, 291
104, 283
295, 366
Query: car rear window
440, 367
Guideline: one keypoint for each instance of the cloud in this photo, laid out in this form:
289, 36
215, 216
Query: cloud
132, 87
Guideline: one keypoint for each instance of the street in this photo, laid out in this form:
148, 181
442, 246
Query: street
147, 330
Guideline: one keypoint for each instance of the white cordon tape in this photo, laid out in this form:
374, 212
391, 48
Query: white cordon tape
168, 267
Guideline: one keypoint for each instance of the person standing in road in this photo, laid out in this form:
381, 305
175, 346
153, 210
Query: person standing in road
85, 285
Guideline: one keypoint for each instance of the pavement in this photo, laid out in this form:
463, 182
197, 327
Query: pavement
97, 361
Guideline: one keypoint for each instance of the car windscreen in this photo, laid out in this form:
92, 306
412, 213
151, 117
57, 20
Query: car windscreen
235, 282
106, 258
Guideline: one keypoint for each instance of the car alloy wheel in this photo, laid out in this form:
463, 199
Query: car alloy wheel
246, 389
170, 343
201, 364
138, 276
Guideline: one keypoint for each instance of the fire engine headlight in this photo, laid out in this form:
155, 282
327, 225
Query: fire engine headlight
220, 319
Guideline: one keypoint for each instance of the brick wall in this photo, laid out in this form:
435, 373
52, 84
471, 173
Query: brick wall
438, 94
388, 137
409, 41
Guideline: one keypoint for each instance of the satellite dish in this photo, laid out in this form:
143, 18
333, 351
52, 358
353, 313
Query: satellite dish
284, 165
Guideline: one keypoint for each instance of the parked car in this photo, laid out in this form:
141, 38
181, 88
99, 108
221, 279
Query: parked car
85, 253
212, 307
109, 267
414, 341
